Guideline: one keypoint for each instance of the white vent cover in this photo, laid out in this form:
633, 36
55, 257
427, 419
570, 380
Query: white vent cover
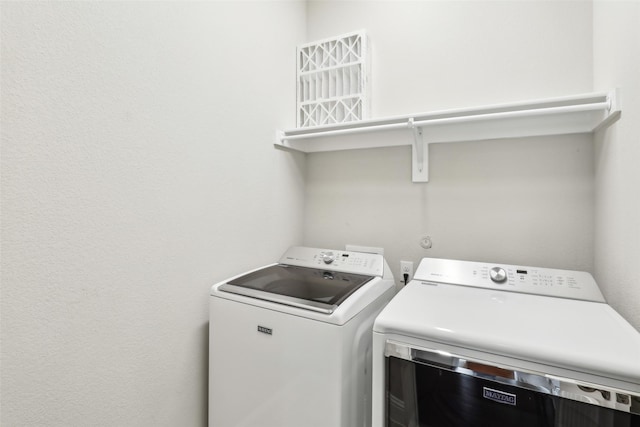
333, 80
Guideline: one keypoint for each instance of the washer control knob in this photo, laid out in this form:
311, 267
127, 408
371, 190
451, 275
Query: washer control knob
328, 257
498, 274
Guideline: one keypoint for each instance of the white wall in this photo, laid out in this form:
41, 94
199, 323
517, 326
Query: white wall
617, 239
137, 170
130, 181
430, 55
527, 201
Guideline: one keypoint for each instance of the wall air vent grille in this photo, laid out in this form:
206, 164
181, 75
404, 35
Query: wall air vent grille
333, 81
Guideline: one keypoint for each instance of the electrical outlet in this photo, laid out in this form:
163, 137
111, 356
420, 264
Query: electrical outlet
406, 267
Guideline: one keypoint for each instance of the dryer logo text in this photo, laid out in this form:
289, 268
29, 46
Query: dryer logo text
265, 330
499, 396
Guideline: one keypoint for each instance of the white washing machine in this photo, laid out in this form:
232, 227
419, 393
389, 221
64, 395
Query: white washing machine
477, 344
290, 343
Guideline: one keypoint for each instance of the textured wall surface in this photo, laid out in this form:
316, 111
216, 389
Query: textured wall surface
137, 170
432, 55
527, 201
472, 209
617, 243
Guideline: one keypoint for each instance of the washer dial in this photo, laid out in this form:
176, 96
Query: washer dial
328, 257
498, 274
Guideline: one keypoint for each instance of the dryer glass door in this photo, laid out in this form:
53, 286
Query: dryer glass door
428, 394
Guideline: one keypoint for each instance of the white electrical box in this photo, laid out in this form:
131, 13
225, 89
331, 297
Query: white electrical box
333, 80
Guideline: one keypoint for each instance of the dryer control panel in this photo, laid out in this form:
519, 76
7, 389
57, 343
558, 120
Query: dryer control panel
578, 285
335, 260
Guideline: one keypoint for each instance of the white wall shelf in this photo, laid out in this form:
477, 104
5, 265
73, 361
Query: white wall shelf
583, 113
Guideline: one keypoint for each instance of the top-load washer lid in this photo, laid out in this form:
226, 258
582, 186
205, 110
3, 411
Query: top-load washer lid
309, 288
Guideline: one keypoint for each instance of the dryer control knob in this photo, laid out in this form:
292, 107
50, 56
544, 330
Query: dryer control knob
498, 274
328, 257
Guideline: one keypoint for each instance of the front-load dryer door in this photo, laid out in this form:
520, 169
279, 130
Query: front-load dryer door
432, 393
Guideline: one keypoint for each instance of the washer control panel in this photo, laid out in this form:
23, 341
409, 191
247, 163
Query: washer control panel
578, 285
329, 259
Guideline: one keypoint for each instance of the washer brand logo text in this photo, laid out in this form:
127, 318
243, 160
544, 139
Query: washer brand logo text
264, 330
499, 396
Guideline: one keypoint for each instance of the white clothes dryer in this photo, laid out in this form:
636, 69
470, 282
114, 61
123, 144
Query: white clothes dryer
290, 343
477, 344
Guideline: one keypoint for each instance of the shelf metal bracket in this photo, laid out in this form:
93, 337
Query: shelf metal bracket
419, 154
